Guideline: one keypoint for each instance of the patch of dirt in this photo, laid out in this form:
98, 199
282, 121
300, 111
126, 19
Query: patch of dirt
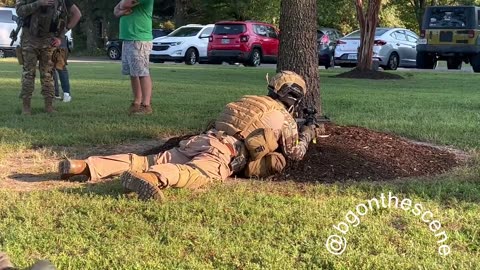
348, 153
373, 75
355, 153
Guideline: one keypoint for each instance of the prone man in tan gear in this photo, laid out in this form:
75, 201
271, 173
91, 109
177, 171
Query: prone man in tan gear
252, 135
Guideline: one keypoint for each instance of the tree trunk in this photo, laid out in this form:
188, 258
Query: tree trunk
180, 16
89, 30
368, 21
298, 46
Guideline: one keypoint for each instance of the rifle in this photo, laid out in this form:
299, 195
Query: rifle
311, 118
14, 33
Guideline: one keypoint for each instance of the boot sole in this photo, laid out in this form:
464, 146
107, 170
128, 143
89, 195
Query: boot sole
144, 189
63, 169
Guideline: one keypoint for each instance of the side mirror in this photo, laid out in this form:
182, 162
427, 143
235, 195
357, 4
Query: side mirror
14, 18
203, 36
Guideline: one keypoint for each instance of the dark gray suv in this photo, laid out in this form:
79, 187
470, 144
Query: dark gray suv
326, 42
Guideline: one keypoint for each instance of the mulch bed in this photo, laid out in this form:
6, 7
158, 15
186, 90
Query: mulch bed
355, 153
372, 74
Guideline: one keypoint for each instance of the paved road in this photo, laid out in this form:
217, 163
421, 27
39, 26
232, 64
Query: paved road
442, 67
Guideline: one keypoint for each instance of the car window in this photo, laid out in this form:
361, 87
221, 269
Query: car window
356, 34
320, 34
158, 33
448, 17
229, 29
207, 31
399, 35
412, 37
260, 30
271, 32
6, 16
185, 32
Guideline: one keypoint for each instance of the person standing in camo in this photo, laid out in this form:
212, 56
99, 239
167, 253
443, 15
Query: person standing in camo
136, 33
45, 24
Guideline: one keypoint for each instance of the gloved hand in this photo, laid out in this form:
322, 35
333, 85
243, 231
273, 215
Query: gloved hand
308, 130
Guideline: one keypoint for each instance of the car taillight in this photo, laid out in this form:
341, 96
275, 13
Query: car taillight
471, 33
422, 34
210, 39
244, 38
325, 39
379, 42
341, 42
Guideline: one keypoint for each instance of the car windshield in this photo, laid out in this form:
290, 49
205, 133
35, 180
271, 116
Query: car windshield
447, 17
158, 33
185, 32
229, 29
356, 34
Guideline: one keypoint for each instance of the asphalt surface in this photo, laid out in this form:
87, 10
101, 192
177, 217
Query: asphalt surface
442, 66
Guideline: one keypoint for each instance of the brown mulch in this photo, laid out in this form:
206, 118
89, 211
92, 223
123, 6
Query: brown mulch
355, 153
373, 75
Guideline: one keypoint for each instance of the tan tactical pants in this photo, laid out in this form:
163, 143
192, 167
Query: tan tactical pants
196, 162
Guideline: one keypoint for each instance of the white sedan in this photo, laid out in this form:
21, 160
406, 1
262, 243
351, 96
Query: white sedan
393, 48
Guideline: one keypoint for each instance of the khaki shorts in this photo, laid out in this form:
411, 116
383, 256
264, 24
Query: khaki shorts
135, 58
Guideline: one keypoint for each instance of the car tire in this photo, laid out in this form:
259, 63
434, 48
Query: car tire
331, 62
113, 53
191, 56
2, 54
425, 61
475, 62
255, 58
454, 63
393, 62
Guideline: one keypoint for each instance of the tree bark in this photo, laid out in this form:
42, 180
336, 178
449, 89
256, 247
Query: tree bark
368, 20
180, 16
298, 47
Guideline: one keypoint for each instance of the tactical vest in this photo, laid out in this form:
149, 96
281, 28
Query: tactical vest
242, 117
47, 20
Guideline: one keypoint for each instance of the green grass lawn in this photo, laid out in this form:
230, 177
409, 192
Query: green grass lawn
250, 224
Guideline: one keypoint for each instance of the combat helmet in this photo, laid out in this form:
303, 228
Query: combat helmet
288, 87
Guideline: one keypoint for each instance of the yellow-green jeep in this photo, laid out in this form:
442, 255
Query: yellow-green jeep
450, 33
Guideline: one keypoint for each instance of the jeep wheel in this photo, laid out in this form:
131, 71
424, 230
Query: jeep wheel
475, 61
392, 63
113, 53
454, 63
191, 56
425, 61
2, 54
255, 58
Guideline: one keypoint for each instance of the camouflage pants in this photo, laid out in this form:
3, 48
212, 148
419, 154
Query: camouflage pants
30, 58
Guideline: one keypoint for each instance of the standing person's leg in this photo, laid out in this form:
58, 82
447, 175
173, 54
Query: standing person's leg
127, 69
46, 77
55, 81
30, 60
65, 81
141, 68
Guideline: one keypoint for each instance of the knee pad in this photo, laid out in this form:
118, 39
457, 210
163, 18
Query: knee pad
270, 164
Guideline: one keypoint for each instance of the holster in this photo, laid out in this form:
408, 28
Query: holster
19, 54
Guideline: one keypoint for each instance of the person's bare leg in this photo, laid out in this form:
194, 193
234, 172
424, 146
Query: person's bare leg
146, 86
136, 90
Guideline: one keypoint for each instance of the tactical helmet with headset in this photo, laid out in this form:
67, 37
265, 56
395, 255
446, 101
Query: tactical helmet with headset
287, 87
